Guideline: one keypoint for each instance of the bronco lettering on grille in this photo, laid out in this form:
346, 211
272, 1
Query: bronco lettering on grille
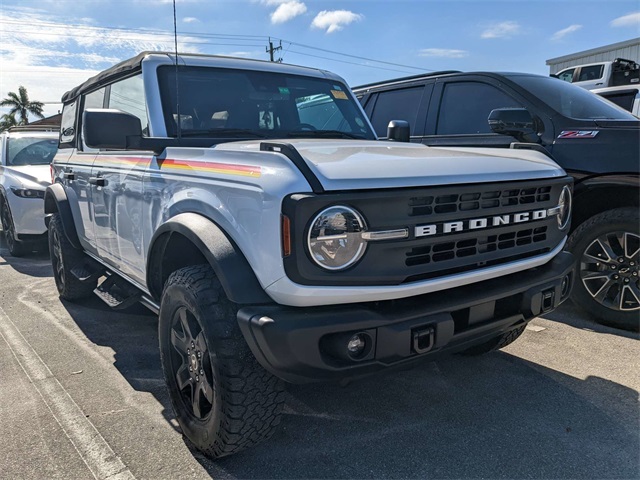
479, 223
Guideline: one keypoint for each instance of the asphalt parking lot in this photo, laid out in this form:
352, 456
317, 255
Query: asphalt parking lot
82, 395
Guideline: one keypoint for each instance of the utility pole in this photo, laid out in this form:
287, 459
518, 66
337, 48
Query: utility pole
271, 50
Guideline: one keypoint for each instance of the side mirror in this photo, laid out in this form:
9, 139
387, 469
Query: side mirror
517, 122
110, 128
398, 131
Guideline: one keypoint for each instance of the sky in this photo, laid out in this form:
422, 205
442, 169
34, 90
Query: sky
50, 46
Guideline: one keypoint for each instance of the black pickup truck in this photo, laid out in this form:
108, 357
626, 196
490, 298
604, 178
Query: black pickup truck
593, 140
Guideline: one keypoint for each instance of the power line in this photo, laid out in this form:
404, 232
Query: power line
346, 61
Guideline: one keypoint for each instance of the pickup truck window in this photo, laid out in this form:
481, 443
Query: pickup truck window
567, 75
396, 105
592, 72
238, 103
465, 107
570, 100
67, 125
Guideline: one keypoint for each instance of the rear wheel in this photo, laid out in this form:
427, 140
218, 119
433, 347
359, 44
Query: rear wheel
496, 343
65, 257
223, 399
15, 246
607, 253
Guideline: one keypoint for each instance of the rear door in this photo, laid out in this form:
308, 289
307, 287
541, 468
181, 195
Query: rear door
459, 110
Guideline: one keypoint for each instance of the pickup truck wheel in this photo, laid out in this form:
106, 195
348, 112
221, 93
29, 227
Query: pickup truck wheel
223, 399
16, 247
607, 253
497, 343
64, 257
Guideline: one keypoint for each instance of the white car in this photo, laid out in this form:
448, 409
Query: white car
25, 155
627, 97
602, 74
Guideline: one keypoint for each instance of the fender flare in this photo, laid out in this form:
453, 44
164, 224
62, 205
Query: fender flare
227, 260
56, 201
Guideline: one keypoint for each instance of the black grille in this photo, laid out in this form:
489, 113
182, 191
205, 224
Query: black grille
451, 250
467, 202
496, 237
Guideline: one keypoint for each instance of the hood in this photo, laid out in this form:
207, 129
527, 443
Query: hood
356, 164
40, 174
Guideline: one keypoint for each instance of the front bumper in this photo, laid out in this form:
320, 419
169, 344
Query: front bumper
28, 216
303, 345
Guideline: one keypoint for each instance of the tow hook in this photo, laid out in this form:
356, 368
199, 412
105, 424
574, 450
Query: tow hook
423, 339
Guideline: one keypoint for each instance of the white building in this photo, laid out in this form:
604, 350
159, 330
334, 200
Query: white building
629, 50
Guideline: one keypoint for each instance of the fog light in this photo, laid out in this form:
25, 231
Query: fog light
356, 344
565, 286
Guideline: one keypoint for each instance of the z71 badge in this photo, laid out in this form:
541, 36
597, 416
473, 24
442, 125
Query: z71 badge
578, 133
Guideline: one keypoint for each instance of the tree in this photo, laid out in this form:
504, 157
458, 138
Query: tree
7, 121
20, 105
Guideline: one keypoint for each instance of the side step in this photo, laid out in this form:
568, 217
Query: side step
89, 271
117, 293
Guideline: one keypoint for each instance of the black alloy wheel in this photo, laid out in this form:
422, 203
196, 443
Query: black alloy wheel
610, 269
191, 364
606, 250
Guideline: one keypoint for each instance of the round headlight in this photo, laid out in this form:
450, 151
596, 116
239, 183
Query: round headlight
564, 204
335, 238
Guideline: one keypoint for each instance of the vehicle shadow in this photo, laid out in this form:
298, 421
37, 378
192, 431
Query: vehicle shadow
496, 416
35, 264
571, 315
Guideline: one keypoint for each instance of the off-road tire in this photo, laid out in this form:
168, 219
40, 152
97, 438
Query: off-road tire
246, 400
16, 247
496, 343
617, 220
65, 257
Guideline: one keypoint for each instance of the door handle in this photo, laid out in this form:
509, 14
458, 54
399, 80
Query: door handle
69, 175
97, 181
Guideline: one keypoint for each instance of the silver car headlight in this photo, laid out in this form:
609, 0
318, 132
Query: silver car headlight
335, 239
564, 208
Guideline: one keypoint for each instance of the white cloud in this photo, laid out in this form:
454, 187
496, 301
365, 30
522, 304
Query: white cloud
190, 20
565, 31
502, 30
335, 20
287, 11
49, 57
630, 20
443, 52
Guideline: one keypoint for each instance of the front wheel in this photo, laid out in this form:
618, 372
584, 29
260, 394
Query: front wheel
65, 257
607, 252
223, 399
16, 247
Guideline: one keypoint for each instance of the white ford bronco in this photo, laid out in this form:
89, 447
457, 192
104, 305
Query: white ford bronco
251, 206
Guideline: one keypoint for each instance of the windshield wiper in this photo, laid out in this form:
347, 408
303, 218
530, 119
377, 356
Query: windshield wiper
223, 133
324, 134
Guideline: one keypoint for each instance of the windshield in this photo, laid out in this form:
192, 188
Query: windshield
229, 103
570, 100
31, 150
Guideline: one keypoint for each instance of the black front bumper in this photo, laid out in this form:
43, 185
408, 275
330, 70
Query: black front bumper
308, 344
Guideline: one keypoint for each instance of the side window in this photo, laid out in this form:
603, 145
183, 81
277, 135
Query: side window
592, 72
396, 105
94, 99
68, 125
128, 95
567, 75
465, 107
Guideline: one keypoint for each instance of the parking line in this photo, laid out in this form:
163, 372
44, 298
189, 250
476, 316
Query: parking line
90, 445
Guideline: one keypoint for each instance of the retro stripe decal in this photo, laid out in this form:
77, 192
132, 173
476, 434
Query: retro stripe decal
211, 167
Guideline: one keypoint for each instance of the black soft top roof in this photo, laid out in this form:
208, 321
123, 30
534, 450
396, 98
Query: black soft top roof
120, 69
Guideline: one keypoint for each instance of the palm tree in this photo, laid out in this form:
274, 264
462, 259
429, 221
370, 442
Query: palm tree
7, 121
19, 104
